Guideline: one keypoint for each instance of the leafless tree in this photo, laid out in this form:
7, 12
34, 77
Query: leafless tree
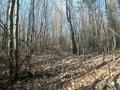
69, 18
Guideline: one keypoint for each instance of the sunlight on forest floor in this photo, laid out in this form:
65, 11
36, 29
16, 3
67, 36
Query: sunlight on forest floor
59, 71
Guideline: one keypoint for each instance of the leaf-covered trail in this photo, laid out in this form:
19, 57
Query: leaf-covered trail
58, 70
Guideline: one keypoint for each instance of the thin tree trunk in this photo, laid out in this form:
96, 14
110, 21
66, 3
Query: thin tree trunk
11, 41
33, 23
17, 35
68, 14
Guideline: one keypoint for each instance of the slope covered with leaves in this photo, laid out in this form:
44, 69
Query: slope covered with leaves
58, 70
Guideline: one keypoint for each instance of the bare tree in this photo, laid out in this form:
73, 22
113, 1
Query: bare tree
69, 18
17, 41
11, 41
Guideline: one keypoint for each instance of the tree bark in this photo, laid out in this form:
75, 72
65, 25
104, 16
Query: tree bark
68, 14
11, 41
16, 35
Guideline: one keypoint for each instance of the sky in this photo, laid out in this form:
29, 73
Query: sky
55, 6
24, 4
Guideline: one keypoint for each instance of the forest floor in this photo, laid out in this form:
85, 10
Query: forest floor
58, 70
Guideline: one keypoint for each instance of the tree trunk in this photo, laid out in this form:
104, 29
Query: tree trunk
11, 41
68, 14
16, 35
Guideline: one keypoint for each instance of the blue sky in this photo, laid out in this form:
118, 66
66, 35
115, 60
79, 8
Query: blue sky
24, 5
57, 3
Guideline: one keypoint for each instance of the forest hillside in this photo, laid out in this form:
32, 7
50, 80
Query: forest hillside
59, 44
